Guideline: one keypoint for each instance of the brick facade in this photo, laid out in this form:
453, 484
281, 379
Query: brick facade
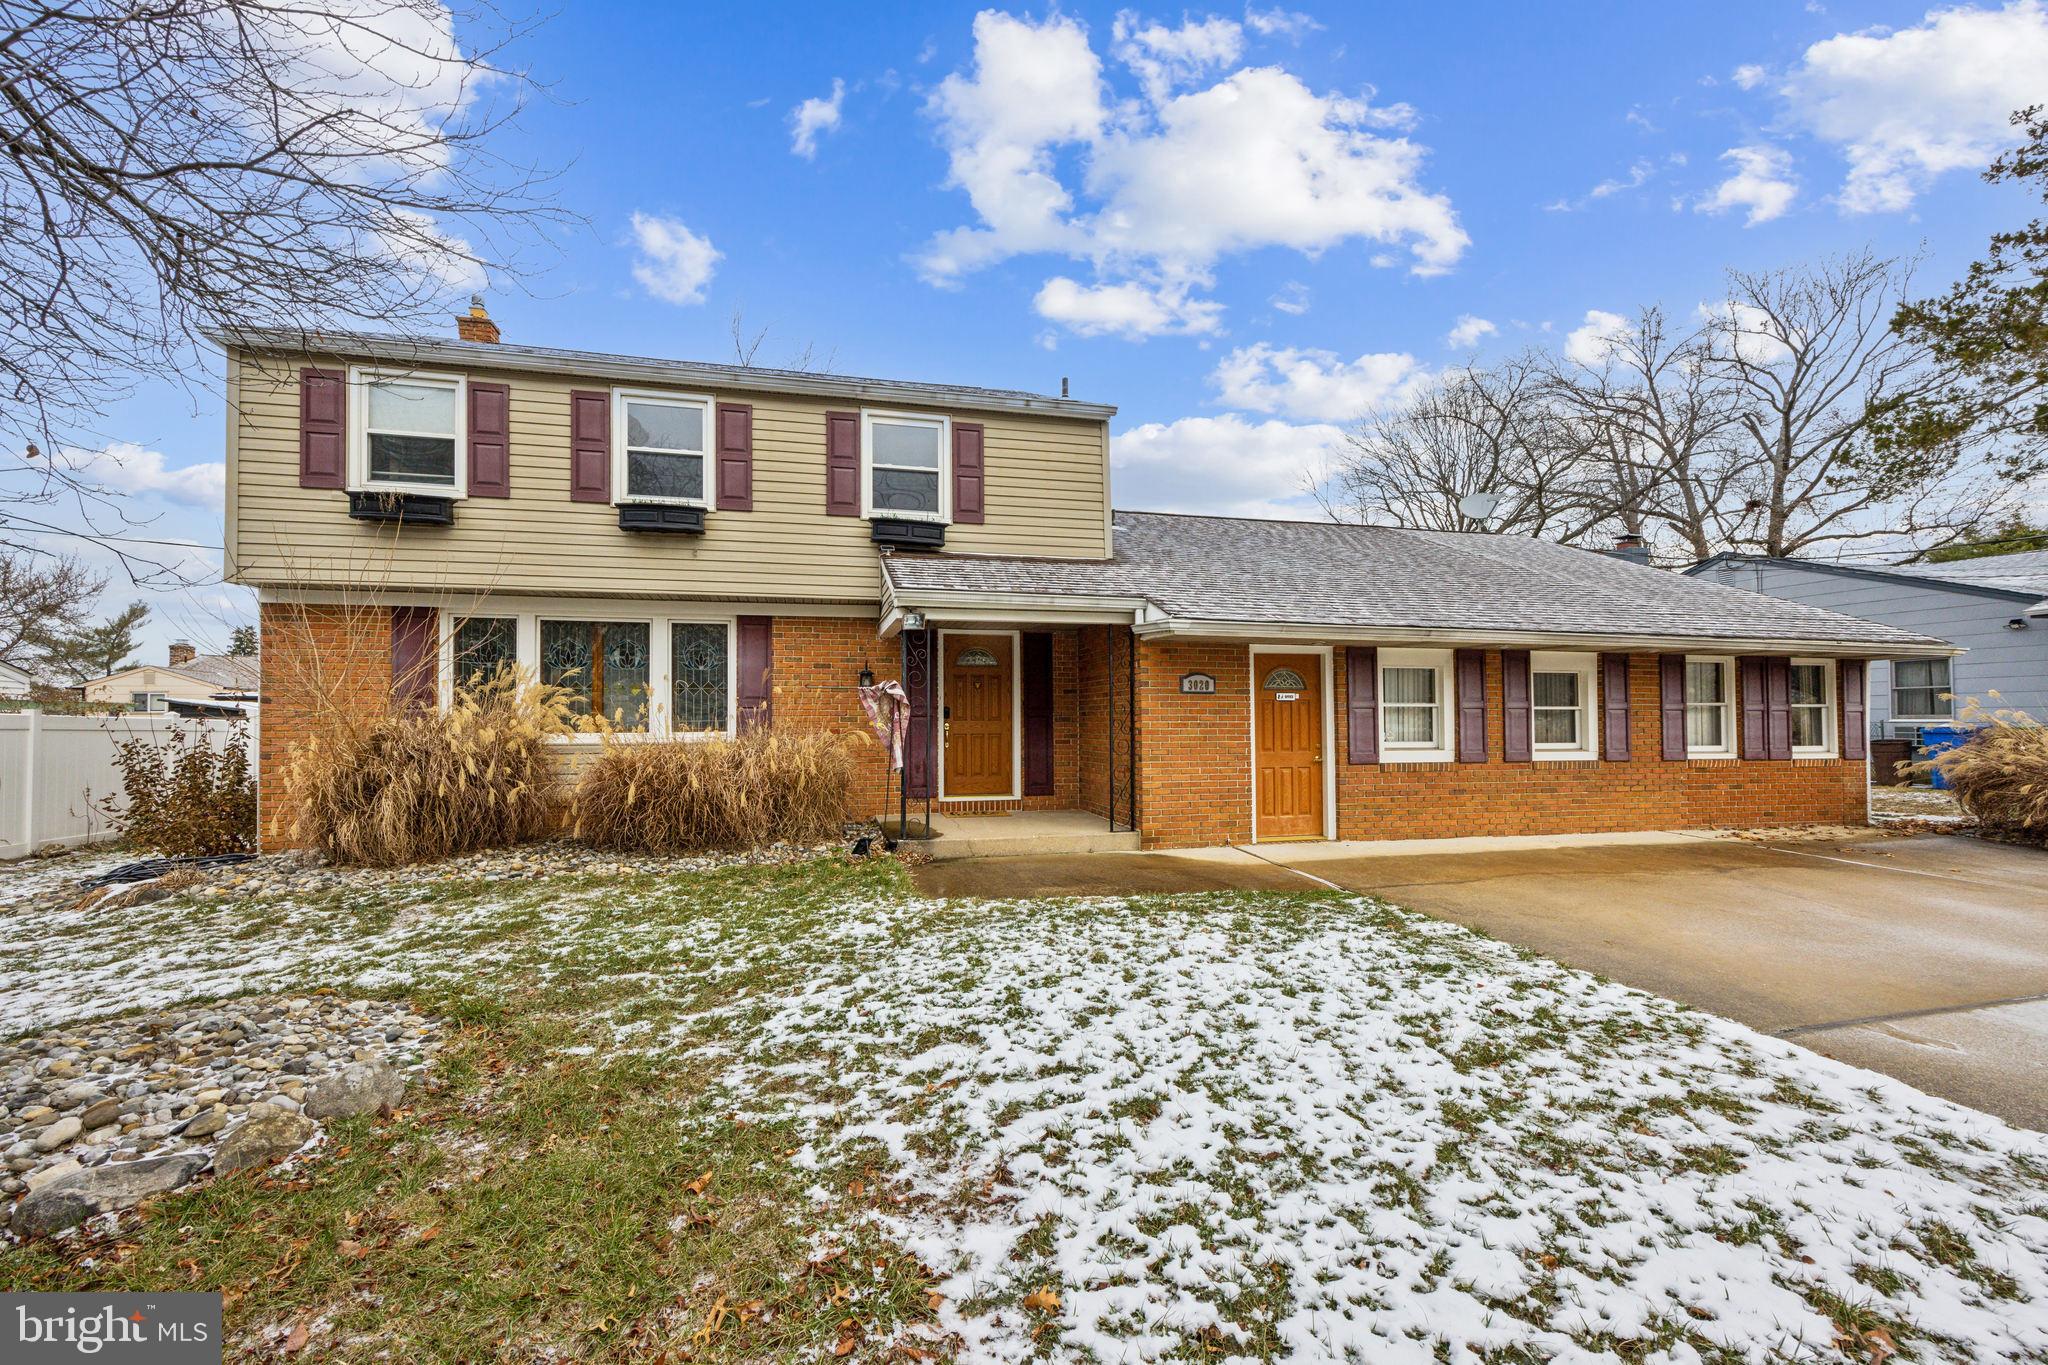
321, 665
1196, 759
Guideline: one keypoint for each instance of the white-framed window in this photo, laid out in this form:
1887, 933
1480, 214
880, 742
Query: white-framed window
1562, 696
1812, 697
661, 448
407, 433
655, 670
1415, 706
148, 701
1922, 690
1709, 707
906, 466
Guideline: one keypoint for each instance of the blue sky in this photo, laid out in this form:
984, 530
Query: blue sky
1237, 225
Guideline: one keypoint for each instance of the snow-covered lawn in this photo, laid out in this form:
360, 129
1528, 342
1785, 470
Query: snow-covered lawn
1218, 1127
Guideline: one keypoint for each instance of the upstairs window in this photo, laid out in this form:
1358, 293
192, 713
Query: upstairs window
904, 466
663, 441
1920, 690
409, 433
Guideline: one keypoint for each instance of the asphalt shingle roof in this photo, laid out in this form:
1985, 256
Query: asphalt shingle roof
229, 672
1317, 573
2023, 572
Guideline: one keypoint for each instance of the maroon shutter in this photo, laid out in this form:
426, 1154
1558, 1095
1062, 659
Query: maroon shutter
735, 457
917, 738
1614, 706
1515, 744
490, 441
1778, 708
323, 444
1671, 703
1471, 671
415, 652
1750, 691
590, 446
1361, 703
967, 472
756, 671
1855, 720
1037, 701
842, 464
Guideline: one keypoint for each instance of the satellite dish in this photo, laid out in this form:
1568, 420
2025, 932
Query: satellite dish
1479, 506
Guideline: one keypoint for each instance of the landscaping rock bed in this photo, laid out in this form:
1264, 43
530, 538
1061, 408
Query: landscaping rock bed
94, 1118
54, 883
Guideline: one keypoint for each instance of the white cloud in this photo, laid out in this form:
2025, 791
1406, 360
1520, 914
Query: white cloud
1749, 75
1223, 464
1130, 310
1468, 330
1763, 183
1160, 187
1590, 342
1639, 171
813, 117
1744, 330
1281, 23
1293, 298
675, 264
1163, 58
1315, 386
1908, 105
129, 468
433, 255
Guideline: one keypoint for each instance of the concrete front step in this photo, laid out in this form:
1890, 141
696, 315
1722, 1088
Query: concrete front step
1026, 833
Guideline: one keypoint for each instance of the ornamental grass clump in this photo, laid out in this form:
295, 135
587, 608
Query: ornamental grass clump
2000, 774
765, 787
389, 789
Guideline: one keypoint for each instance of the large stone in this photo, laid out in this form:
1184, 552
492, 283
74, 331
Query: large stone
267, 1135
102, 1189
59, 1133
205, 1123
358, 1088
101, 1114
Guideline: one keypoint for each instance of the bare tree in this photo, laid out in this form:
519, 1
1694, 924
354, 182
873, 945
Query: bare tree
745, 347
39, 599
171, 167
1476, 431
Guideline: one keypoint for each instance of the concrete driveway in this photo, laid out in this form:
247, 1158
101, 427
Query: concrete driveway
1923, 957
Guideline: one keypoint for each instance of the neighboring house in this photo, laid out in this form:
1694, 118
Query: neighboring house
212, 684
1995, 607
696, 549
15, 682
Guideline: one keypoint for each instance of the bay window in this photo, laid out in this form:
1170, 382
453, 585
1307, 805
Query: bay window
663, 447
903, 466
1414, 701
408, 433
1812, 697
1709, 707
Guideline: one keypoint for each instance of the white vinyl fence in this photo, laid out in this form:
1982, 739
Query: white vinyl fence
55, 771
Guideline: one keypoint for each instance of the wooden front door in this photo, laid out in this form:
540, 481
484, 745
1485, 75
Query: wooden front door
980, 680
1287, 745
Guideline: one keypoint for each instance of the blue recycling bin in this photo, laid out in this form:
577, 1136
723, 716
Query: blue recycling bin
1939, 739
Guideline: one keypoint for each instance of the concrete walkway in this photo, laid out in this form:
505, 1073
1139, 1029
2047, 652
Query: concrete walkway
1923, 957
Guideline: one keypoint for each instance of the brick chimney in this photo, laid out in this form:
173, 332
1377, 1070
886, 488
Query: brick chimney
476, 324
182, 653
1631, 547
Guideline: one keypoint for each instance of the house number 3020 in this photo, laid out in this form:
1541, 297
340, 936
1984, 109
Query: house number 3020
1197, 684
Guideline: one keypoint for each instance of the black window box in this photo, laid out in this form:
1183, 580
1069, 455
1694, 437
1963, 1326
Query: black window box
648, 516
908, 535
412, 509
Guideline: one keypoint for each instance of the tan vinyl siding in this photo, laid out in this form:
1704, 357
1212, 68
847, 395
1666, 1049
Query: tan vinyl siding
1047, 494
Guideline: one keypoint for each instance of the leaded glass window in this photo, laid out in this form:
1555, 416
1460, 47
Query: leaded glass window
975, 658
698, 666
485, 651
1284, 680
603, 665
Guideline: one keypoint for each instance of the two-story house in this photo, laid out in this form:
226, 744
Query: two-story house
696, 549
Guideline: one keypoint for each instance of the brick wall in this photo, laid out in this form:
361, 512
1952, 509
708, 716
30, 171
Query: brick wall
1196, 761
321, 664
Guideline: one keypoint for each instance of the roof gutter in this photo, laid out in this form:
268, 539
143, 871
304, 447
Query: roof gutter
954, 607
1183, 627
643, 370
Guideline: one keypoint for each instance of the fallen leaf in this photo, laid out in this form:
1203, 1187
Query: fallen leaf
845, 1346
296, 1342
430, 1234
700, 1184
355, 1251
855, 1188
1042, 1300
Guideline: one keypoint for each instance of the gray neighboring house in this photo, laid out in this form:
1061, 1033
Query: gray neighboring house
1996, 608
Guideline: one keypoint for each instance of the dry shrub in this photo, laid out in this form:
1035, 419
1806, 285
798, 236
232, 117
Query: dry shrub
765, 787
384, 790
2000, 774
183, 795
